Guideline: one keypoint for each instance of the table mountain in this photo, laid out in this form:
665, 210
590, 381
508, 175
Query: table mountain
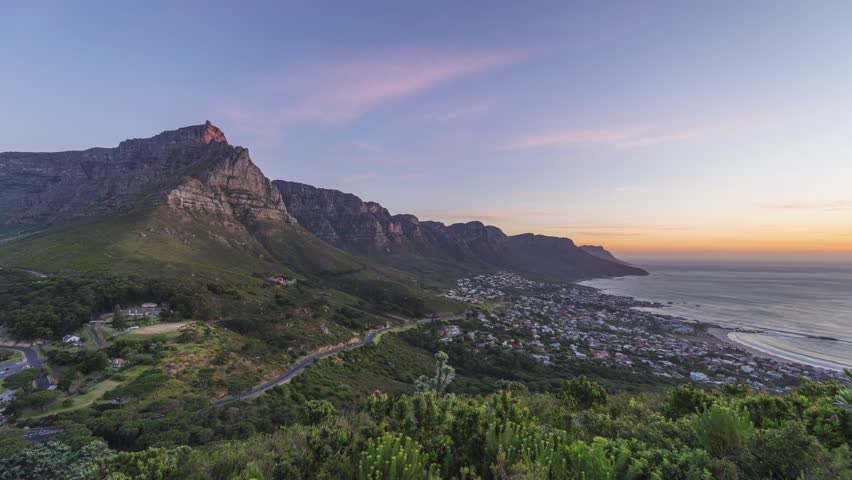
192, 168
182, 203
193, 185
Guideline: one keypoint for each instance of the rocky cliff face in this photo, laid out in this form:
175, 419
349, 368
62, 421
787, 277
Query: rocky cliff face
360, 227
192, 169
347, 222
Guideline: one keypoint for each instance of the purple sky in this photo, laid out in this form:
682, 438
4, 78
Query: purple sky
644, 126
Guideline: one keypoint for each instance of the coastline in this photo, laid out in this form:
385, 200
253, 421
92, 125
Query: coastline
739, 338
783, 355
723, 335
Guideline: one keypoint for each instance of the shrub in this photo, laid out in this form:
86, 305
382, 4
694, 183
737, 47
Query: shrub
150, 464
318, 411
784, 452
685, 400
722, 431
395, 457
583, 393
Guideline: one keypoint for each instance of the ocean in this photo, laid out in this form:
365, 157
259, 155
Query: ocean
801, 313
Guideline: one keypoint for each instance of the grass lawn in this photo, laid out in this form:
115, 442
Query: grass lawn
78, 401
156, 329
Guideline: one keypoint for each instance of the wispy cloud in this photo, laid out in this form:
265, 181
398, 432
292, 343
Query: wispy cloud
562, 138
595, 233
831, 206
615, 229
456, 113
626, 136
346, 89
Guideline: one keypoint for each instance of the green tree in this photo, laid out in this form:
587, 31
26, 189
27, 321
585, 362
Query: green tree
53, 460
34, 400
119, 320
23, 380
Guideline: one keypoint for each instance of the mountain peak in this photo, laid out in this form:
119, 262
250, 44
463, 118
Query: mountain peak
206, 133
203, 134
212, 133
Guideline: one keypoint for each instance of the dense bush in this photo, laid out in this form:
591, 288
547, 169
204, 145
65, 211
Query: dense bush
574, 431
55, 306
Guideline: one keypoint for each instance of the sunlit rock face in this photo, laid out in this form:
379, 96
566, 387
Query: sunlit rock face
192, 168
346, 221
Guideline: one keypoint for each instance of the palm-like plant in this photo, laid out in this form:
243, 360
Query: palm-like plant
444, 375
395, 457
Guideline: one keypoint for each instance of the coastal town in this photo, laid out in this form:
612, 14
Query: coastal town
554, 324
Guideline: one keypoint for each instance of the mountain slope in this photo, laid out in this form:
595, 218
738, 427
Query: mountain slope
601, 252
425, 247
181, 203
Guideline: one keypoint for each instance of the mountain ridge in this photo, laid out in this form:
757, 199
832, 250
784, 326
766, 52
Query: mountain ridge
196, 175
367, 228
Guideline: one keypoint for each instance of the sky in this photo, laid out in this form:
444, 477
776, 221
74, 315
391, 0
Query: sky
648, 127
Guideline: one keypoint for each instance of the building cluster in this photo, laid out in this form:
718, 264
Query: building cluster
569, 323
485, 288
146, 310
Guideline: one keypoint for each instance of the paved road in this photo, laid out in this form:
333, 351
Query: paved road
41, 434
312, 358
33, 360
95, 335
32, 356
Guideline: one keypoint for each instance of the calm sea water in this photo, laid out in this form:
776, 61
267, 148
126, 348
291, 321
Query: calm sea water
803, 313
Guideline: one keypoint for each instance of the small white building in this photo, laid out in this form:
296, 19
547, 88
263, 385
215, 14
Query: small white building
71, 339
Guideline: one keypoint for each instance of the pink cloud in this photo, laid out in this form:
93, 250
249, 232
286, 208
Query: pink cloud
456, 113
343, 91
605, 136
334, 91
631, 136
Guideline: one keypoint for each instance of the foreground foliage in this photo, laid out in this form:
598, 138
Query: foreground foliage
576, 431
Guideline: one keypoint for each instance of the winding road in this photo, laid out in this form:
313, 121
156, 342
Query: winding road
33, 360
300, 366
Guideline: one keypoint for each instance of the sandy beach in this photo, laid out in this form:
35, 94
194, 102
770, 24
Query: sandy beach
741, 340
